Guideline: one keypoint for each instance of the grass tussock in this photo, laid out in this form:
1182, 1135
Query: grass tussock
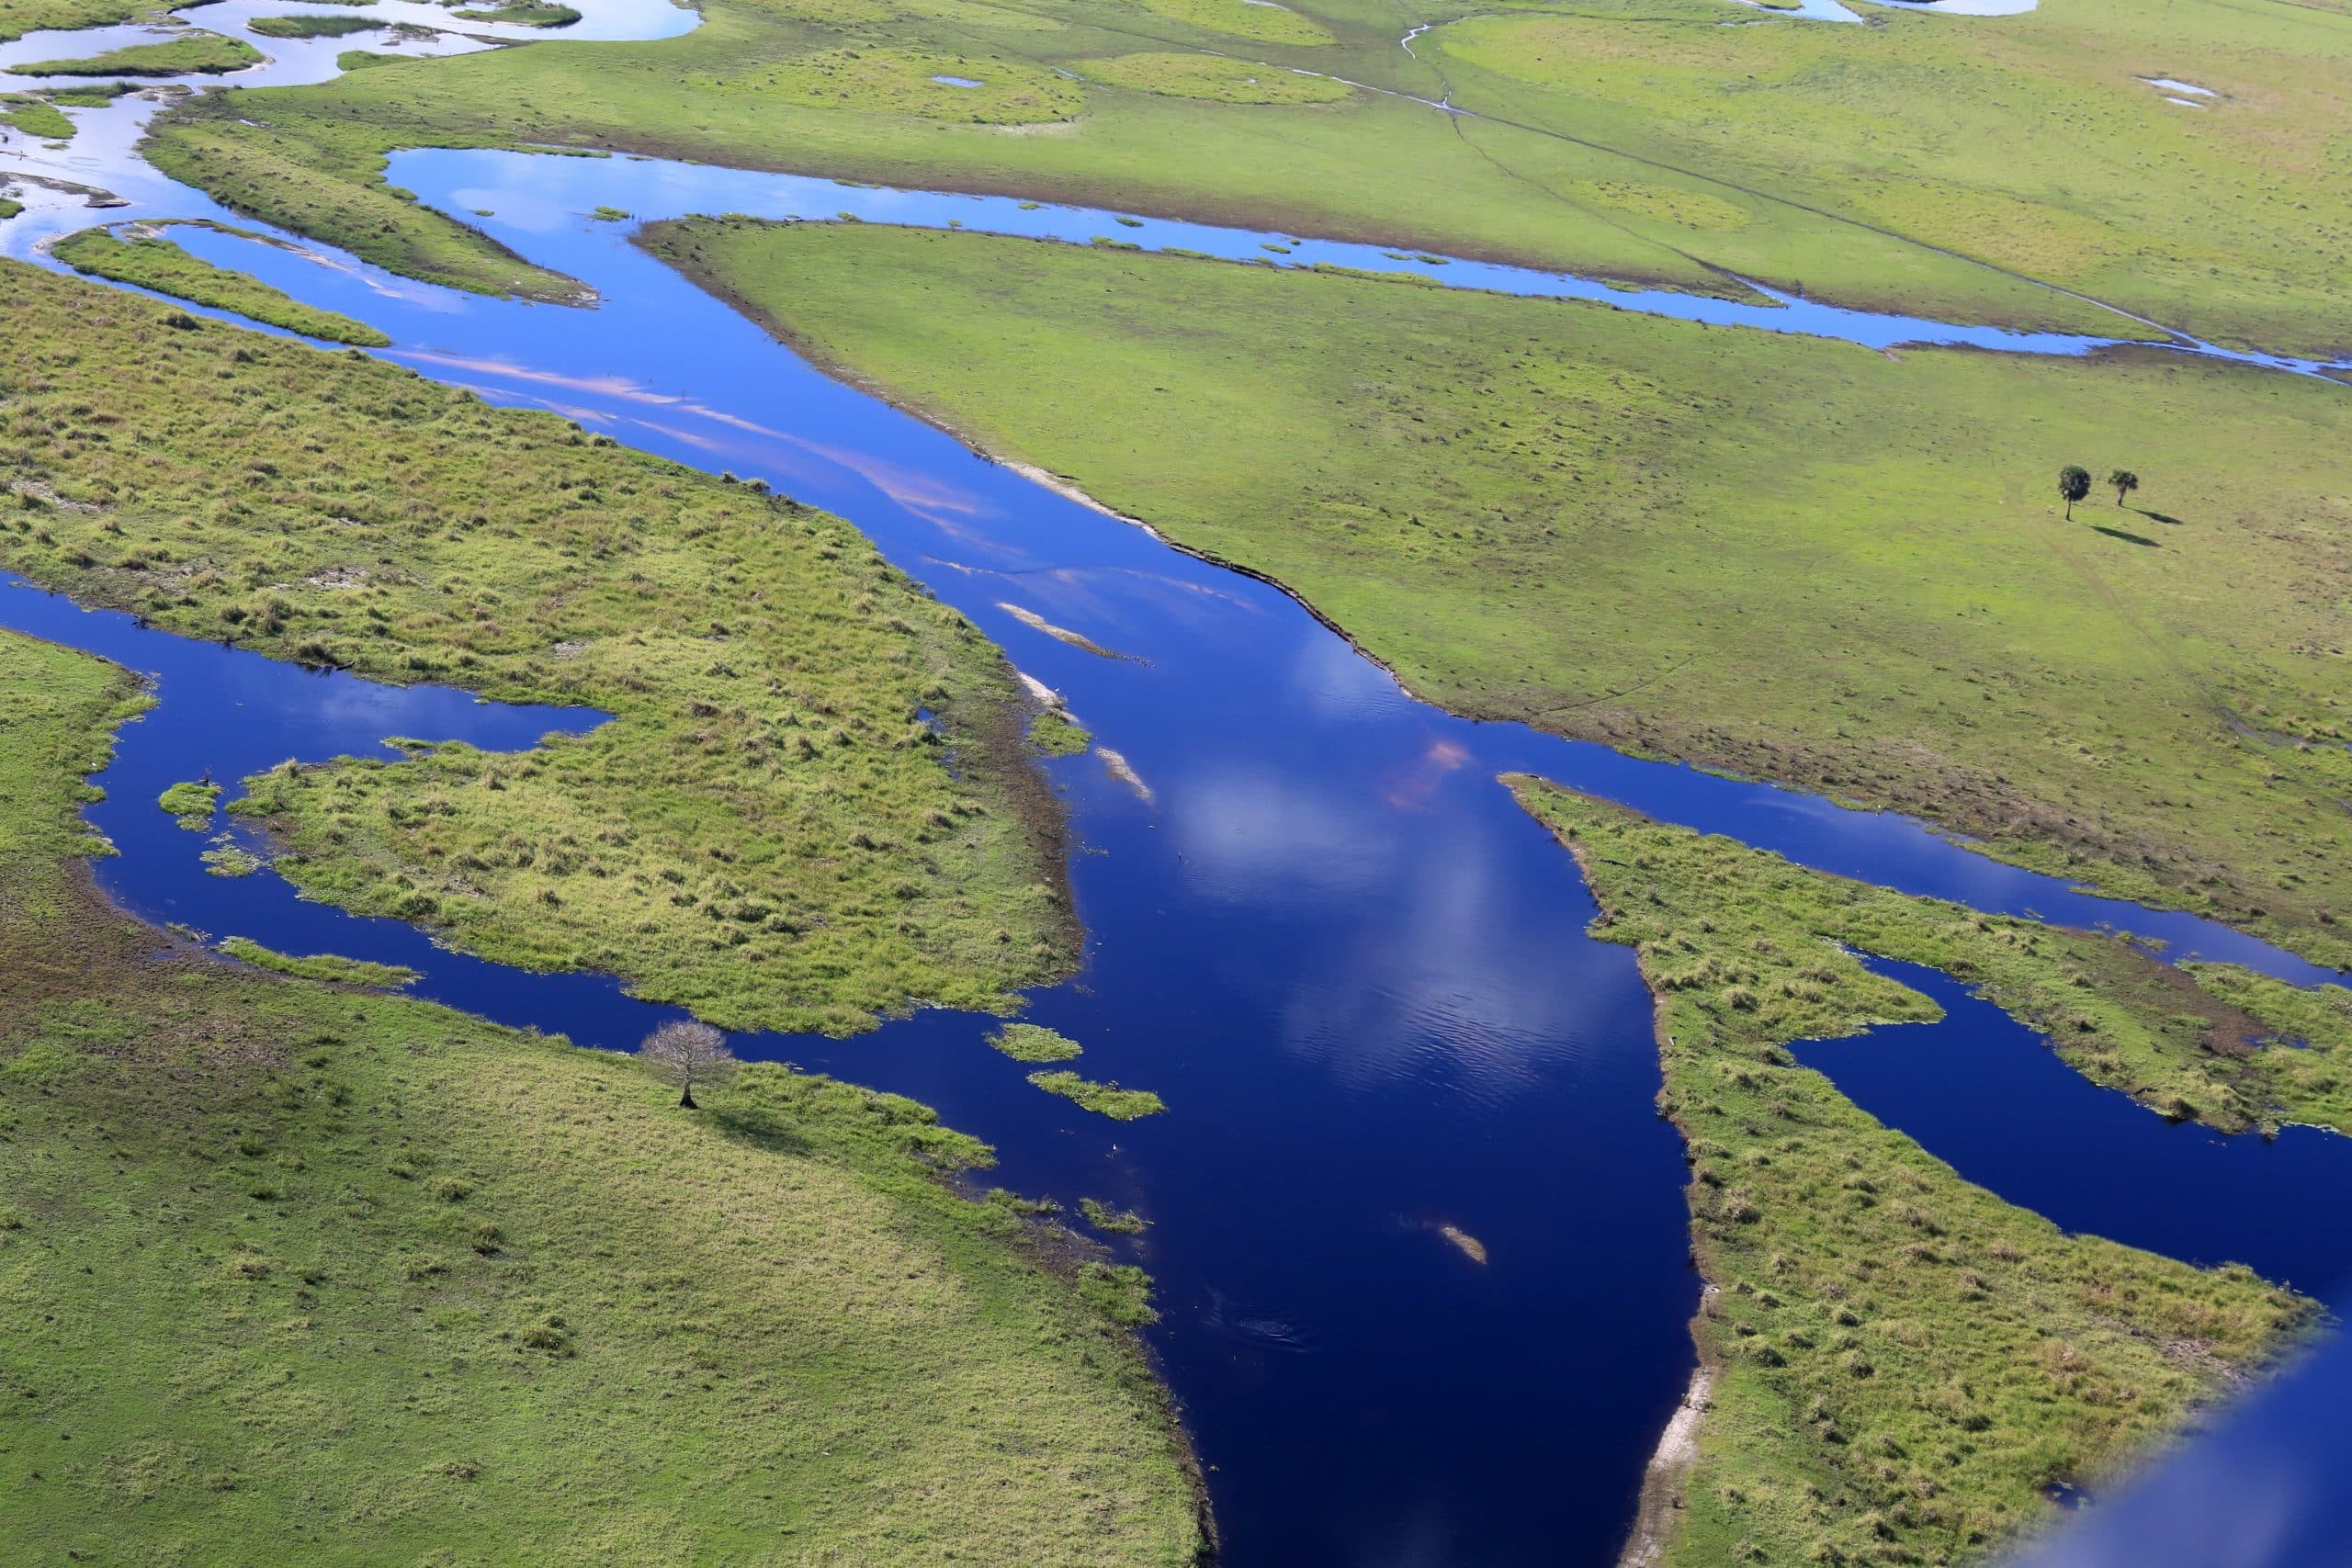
769, 832
361, 1276
1906, 1363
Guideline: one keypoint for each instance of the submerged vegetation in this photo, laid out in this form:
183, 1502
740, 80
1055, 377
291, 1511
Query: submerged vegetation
1902, 1364
361, 1277
767, 832
1719, 543
151, 261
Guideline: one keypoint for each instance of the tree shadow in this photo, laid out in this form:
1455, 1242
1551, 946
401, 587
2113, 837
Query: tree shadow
2127, 538
2158, 517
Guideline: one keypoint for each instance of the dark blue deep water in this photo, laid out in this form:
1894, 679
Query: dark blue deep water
1321, 929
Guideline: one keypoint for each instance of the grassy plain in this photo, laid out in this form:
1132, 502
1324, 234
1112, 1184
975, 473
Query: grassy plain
1159, 119
196, 53
768, 832
1902, 1362
151, 261
297, 1273
1789, 556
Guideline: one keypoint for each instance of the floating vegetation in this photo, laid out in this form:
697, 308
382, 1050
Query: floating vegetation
318, 965
192, 803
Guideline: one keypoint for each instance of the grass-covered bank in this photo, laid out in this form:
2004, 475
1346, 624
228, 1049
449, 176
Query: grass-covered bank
767, 832
1902, 1363
1789, 556
297, 1273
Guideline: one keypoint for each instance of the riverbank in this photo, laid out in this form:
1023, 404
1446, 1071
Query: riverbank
1903, 1360
368, 1245
1700, 532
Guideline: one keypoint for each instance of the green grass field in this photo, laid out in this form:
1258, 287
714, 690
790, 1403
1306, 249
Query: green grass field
767, 833
151, 261
296, 1273
1804, 560
1900, 1363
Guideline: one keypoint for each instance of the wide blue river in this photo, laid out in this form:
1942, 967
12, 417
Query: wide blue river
1315, 924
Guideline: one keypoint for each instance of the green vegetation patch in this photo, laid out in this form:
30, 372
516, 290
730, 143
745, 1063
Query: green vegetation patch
1055, 733
192, 802
9, 208
35, 118
1731, 546
1103, 1098
363, 1277
325, 966
1260, 21
1212, 77
311, 26
153, 262
196, 54
891, 81
1901, 1363
19, 17
90, 96
524, 13
770, 832
2307, 1041
1034, 1043
1118, 1221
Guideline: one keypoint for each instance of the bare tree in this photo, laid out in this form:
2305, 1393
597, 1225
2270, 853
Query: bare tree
686, 1052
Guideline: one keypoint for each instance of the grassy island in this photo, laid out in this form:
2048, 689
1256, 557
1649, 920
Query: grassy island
767, 832
360, 1277
1894, 1362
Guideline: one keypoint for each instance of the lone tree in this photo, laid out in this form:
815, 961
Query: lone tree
2074, 483
2125, 481
686, 1052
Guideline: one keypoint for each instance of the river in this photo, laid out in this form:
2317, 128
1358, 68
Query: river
1356, 971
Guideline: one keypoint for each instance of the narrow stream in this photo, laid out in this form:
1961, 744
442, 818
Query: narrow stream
1357, 972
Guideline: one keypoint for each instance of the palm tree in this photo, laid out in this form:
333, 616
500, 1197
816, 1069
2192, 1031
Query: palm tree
2074, 483
2125, 481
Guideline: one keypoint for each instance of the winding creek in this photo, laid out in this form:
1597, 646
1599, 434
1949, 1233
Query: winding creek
1357, 972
